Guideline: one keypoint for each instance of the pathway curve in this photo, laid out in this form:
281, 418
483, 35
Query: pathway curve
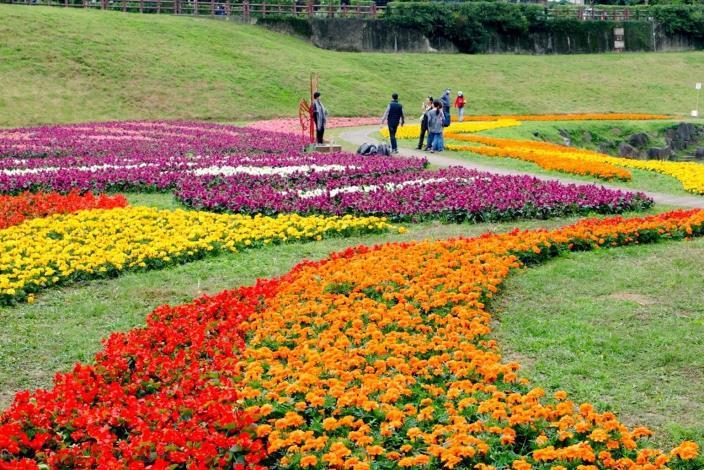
360, 135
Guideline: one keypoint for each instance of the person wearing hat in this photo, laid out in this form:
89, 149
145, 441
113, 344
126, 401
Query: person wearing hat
446, 103
320, 115
459, 104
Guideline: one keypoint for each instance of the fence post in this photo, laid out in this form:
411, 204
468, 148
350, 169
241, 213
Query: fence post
195, 7
245, 10
373, 10
310, 8
141, 6
124, 6
212, 7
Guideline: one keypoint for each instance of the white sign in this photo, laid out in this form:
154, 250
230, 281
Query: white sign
698, 86
695, 113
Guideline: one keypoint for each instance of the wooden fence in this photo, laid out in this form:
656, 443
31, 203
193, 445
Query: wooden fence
587, 13
244, 10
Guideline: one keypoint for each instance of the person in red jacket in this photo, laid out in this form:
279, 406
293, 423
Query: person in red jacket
459, 104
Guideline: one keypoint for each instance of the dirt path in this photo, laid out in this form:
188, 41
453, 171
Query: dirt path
359, 135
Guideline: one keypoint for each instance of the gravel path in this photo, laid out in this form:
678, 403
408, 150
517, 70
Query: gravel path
360, 135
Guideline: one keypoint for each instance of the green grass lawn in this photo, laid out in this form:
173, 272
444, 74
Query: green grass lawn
621, 328
62, 65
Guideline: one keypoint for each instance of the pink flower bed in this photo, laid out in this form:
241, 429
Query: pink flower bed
293, 125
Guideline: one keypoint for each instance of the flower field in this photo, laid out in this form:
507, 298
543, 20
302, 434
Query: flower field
373, 358
293, 125
225, 168
99, 243
412, 131
568, 117
452, 195
16, 209
548, 156
578, 161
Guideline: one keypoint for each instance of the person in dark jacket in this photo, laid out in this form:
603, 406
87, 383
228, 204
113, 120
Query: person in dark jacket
445, 100
394, 117
320, 115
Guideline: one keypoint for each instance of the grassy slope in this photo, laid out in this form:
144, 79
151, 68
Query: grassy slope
64, 66
628, 337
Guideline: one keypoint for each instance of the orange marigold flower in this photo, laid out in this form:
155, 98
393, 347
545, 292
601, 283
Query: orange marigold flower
687, 450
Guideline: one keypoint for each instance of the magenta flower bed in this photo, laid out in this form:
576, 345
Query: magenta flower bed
452, 195
156, 155
226, 168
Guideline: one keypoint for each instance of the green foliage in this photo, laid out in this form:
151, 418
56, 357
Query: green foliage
687, 20
472, 25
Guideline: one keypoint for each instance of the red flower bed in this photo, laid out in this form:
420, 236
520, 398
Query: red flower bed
16, 209
156, 396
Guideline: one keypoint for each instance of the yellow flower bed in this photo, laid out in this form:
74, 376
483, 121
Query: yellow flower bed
569, 117
412, 131
579, 161
97, 243
690, 174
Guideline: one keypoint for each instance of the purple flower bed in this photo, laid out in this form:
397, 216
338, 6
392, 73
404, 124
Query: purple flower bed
226, 168
154, 156
452, 195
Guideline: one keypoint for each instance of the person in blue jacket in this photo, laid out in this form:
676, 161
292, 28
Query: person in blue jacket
394, 117
446, 103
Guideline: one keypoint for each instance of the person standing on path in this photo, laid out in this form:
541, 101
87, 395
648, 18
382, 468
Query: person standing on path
393, 116
424, 107
435, 127
459, 104
320, 116
445, 100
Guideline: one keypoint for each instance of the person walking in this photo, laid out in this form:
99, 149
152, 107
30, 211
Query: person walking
320, 116
459, 104
445, 100
435, 127
424, 107
393, 116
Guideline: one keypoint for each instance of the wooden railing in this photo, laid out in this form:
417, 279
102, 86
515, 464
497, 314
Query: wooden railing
244, 9
597, 13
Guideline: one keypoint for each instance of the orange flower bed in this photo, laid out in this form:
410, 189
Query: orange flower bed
568, 117
382, 358
545, 155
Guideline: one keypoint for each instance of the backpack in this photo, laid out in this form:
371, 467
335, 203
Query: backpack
383, 149
447, 120
367, 149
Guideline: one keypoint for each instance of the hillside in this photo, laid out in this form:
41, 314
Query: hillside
60, 65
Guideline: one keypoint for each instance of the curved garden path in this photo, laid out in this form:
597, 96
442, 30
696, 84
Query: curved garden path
360, 135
